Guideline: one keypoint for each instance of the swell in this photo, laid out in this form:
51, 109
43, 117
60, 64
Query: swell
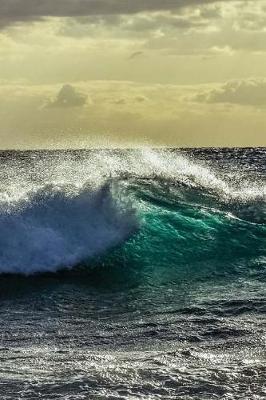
189, 237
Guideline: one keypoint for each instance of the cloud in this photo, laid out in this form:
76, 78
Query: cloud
251, 92
135, 55
13, 11
120, 102
150, 24
210, 12
129, 100
140, 99
68, 96
164, 119
158, 21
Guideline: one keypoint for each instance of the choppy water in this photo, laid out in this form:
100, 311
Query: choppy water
134, 274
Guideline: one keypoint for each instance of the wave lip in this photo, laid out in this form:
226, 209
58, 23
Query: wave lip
58, 228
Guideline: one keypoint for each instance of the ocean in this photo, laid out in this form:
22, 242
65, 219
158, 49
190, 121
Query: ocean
133, 274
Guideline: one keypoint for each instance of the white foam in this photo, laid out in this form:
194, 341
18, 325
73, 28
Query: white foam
55, 228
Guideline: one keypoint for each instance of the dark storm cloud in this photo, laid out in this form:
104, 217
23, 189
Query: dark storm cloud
12, 11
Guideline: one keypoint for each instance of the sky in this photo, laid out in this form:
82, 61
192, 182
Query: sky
130, 73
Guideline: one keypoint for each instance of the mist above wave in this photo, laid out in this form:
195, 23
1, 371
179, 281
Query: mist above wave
25, 172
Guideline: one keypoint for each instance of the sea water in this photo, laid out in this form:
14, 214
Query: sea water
133, 274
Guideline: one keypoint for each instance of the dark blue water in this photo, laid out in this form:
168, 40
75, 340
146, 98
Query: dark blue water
134, 274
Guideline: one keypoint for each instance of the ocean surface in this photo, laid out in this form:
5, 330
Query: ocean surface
133, 274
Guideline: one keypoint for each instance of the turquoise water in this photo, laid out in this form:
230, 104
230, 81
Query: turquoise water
133, 274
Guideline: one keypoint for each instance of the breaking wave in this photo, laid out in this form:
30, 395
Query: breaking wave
59, 227
159, 210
